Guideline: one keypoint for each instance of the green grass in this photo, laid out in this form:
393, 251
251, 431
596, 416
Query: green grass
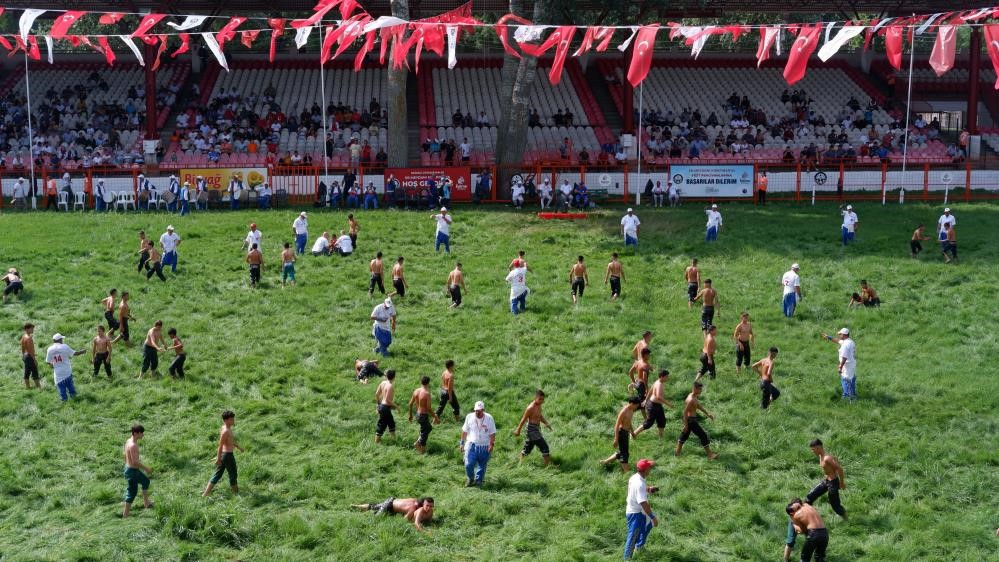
918, 448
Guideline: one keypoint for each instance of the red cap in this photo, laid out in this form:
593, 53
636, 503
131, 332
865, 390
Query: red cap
253, 225
644, 464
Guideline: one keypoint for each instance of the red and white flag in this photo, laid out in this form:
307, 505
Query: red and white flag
944, 49
591, 36
27, 20
147, 24
159, 51
893, 45
801, 50
111, 18
62, 23
106, 49
992, 43
185, 45
767, 37
277, 30
33, 51
503, 33
369, 44
641, 58
228, 31
560, 39
248, 37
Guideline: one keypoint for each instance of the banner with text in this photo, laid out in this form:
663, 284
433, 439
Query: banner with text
416, 178
713, 180
218, 178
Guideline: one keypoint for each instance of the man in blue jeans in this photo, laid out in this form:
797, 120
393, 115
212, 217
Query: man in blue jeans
301, 229
478, 435
518, 288
637, 510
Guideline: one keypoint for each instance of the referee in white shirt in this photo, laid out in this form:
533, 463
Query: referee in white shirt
637, 510
478, 436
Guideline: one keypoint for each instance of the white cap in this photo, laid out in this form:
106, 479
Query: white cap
388, 301
302, 214
947, 210
170, 227
844, 331
480, 406
57, 337
795, 266
849, 207
713, 206
630, 210
443, 209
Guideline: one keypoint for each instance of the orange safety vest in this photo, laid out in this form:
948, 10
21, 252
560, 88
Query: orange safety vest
761, 183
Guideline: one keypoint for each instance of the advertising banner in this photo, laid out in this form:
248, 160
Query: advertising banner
218, 178
416, 178
735, 180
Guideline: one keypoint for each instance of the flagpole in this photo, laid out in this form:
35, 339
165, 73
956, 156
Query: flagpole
638, 188
31, 136
322, 87
908, 113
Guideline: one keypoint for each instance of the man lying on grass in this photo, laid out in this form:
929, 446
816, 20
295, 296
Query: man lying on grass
417, 510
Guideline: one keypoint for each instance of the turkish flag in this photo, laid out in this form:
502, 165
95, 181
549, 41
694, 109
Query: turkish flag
321, 9
6, 44
768, 35
63, 22
248, 37
106, 48
160, 51
185, 45
504, 35
801, 50
34, 52
992, 42
111, 18
228, 31
641, 58
369, 43
893, 45
277, 30
944, 49
560, 39
147, 24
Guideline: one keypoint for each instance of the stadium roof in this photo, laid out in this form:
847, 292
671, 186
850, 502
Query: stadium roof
426, 8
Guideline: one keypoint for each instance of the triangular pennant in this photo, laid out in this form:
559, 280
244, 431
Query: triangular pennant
135, 49
28, 18
190, 22
185, 45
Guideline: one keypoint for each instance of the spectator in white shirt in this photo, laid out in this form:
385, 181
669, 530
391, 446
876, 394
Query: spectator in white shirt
254, 236
169, 241
847, 362
343, 245
59, 355
714, 223
637, 511
943, 222
383, 316
850, 222
443, 231
545, 194
517, 278
630, 226
466, 150
478, 436
791, 283
301, 229
517, 194
322, 245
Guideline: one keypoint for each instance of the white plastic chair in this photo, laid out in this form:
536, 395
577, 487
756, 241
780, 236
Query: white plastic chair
80, 200
63, 201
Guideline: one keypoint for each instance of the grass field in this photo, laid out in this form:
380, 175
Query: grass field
918, 448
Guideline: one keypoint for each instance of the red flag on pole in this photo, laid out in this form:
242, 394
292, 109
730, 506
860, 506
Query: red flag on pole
185, 45
34, 52
147, 24
277, 30
992, 43
944, 49
63, 22
768, 35
801, 50
641, 58
560, 39
6, 44
893, 45
369, 43
159, 52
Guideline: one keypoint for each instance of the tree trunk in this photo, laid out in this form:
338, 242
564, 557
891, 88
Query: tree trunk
515, 90
398, 149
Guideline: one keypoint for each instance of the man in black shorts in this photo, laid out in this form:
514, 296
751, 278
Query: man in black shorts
365, 369
534, 417
399, 277
639, 374
692, 425
622, 432
417, 510
708, 353
28, 356
655, 414
109, 311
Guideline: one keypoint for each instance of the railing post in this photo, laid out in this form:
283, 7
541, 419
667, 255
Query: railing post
926, 182
967, 180
797, 183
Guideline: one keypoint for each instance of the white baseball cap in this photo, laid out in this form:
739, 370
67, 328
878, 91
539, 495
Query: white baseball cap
849, 207
947, 210
170, 227
844, 331
443, 209
302, 214
480, 406
713, 206
795, 266
57, 337
388, 301
630, 210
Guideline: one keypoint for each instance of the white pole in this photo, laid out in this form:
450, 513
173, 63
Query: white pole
322, 87
908, 113
31, 136
638, 190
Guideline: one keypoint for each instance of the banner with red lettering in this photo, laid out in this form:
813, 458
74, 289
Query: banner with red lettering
415, 179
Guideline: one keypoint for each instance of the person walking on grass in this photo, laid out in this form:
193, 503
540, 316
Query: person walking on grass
28, 357
447, 395
385, 403
630, 226
170, 241
578, 279
708, 354
253, 237
421, 399
478, 436
300, 228
805, 520
124, 315
791, 284
714, 224
179, 358
517, 278
614, 275
850, 223
443, 231
60, 356
287, 265
709, 298
534, 417
638, 513
256, 261
950, 244
108, 304
655, 404
134, 470
765, 368
847, 362
623, 431
225, 455
151, 347
636, 351
691, 423
154, 265
352, 229
833, 482
377, 269
143, 251
100, 346
639, 374
383, 328
399, 277
692, 276
744, 340
455, 285
918, 236
418, 511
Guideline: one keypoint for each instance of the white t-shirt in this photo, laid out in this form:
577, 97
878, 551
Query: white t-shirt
848, 351
301, 226
945, 220
518, 190
518, 282
638, 492
59, 356
630, 224
443, 224
479, 430
345, 244
790, 281
850, 220
253, 237
466, 150
169, 241
322, 243
383, 316
565, 188
714, 218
